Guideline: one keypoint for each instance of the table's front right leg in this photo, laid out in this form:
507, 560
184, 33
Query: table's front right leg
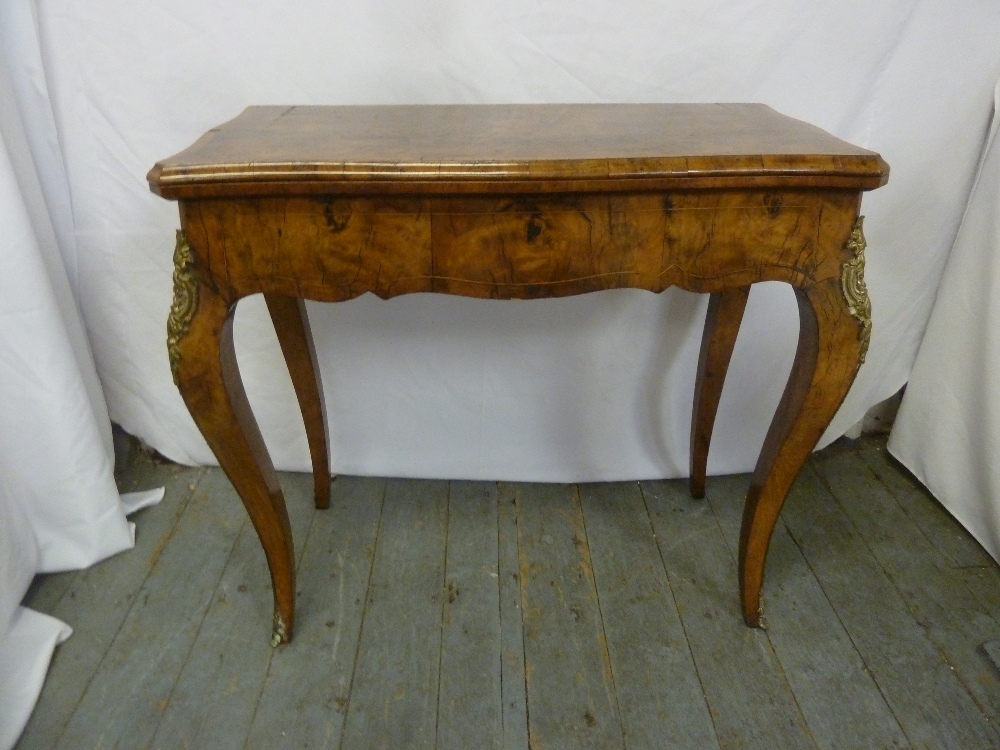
203, 361
829, 353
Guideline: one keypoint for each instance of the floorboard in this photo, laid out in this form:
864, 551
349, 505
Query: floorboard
99, 599
394, 698
660, 697
231, 652
512, 683
751, 701
570, 687
926, 697
435, 614
132, 685
952, 541
308, 687
840, 701
470, 705
952, 618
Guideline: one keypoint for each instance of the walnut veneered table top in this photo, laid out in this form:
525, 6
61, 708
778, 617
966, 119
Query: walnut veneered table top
535, 147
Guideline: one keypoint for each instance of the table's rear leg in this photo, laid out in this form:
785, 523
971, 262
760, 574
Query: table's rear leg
722, 324
826, 361
292, 326
205, 369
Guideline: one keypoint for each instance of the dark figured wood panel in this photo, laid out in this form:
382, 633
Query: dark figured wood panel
333, 249
470, 148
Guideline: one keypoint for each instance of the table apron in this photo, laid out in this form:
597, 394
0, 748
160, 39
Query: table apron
332, 248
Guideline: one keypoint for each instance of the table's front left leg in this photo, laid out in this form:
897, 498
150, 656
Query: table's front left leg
829, 353
292, 326
203, 360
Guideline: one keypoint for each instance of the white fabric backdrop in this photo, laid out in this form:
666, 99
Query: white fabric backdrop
948, 428
589, 388
59, 507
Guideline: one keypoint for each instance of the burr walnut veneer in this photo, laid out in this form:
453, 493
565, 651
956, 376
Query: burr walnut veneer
515, 202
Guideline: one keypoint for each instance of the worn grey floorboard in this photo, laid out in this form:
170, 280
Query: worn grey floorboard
307, 689
984, 583
570, 688
751, 701
379, 651
145, 474
925, 695
47, 590
842, 705
952, 617
393, 702
470, 706
131, 687
99, 599
952, 541
512, 686
231, 653
661, 701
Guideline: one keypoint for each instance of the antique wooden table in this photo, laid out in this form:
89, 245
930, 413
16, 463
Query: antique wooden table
515, 202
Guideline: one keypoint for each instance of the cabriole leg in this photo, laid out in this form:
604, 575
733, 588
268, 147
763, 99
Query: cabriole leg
722, 324
826, 361
292, 326
204, 363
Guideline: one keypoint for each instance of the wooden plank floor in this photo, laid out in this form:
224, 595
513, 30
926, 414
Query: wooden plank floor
438, 614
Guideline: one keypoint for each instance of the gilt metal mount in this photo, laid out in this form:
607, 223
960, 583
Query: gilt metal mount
185, 301
852, 281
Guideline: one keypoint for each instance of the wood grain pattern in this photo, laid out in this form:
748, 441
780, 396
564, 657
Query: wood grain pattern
214, 394
517, 202
334, 249
394, 696
305, 697
953, 619
722, 325
100, 600
521, 148
470, 703
292, 326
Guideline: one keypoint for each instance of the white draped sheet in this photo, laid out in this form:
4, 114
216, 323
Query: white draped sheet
948, 428
59, 508
597, 387
594, 387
